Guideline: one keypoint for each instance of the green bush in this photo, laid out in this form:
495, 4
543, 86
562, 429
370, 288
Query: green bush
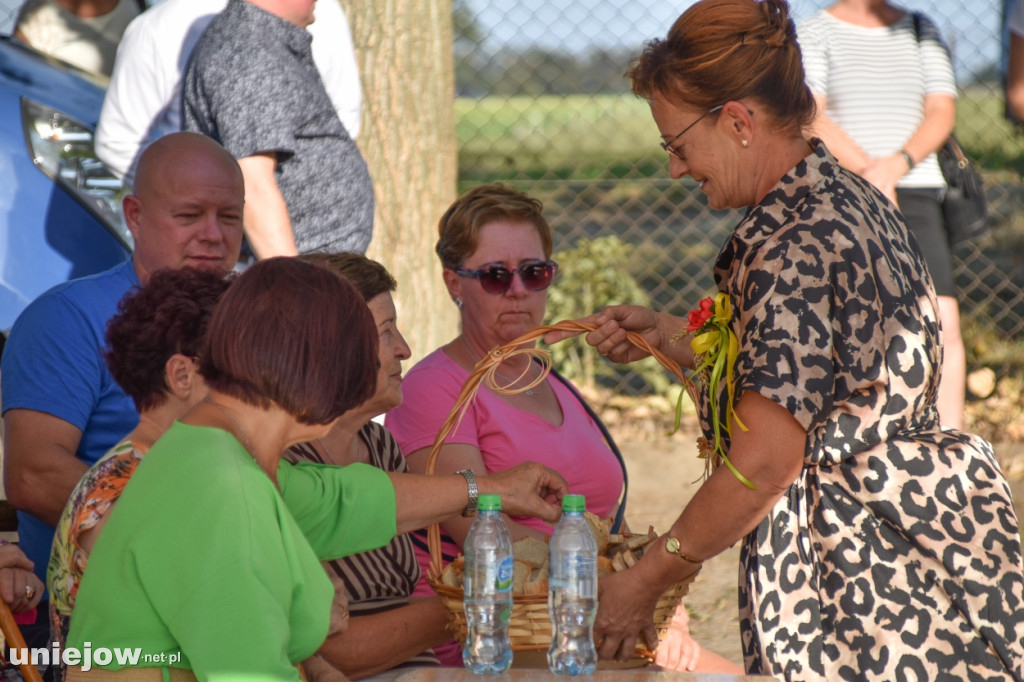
592, 275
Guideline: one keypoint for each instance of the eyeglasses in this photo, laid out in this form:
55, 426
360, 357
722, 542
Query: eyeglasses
496, 279
668, 146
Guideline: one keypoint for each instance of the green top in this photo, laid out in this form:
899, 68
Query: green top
202, 566
574, 503
489, 502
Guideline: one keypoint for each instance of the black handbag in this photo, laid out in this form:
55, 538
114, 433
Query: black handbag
964, 208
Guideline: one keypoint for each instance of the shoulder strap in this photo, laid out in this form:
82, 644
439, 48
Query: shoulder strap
620, 514
917, 25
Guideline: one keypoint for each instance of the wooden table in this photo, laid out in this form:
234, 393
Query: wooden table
650, 674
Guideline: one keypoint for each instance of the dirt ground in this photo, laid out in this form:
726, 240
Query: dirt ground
664, 473
663, 476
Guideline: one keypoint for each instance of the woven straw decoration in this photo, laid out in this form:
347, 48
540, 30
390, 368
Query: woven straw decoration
530, 624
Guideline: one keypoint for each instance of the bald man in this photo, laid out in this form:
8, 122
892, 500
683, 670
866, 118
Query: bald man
61, 408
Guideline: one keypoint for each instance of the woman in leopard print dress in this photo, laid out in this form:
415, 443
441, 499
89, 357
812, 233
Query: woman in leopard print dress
875, 545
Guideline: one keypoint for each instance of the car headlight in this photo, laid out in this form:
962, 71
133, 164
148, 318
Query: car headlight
63, 149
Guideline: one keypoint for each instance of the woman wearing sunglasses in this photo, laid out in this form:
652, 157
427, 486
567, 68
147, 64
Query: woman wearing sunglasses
495, 247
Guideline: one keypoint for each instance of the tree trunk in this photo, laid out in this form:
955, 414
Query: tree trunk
404, 49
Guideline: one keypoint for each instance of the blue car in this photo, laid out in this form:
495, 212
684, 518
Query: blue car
60, 207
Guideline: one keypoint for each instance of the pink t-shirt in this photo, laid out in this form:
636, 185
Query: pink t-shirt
505, 436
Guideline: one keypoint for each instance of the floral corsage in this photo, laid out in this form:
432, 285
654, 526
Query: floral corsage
715, 348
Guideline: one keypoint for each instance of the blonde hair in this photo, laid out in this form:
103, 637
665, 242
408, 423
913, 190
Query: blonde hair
459, 227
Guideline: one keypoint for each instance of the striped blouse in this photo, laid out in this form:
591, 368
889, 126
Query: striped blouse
875, 80
381, 579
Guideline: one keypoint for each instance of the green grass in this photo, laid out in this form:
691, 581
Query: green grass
580, 137
987, 135
613, 136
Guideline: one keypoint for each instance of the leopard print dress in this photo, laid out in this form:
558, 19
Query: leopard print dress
896, 554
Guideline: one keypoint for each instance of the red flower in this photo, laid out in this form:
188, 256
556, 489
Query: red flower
702, 314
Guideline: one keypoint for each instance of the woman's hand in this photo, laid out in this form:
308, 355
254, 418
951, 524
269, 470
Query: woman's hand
678, 650
19, 586
339, 606
612, 323
380, 641
319, 670
885, 172
625, 611
528, 489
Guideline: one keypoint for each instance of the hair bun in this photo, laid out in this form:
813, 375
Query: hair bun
778, 28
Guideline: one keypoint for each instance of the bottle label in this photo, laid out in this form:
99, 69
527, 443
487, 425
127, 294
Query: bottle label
575, 573
504, 577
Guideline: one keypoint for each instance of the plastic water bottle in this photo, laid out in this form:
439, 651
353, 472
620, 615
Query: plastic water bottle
572, 591
487, 585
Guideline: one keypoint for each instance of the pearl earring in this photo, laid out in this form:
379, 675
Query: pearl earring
744, 143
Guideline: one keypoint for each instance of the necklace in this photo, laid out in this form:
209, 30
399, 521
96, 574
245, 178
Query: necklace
512, 382
320, 442
238, 427
330, 455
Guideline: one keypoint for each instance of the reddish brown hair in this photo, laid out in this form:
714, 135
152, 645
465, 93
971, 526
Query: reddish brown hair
153, 322
294, 334
459, 227
720, 51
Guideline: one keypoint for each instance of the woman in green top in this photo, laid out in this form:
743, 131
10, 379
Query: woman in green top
202, 565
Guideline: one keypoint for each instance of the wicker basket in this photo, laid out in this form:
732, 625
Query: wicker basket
530, 624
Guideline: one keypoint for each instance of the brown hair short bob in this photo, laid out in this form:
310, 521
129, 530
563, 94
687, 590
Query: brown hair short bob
296, 335
459, 227
167, 315
370, 278
720, 51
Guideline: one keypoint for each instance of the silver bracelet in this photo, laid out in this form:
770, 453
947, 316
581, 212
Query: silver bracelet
474, 491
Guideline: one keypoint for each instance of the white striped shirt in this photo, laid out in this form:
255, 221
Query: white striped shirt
874, 81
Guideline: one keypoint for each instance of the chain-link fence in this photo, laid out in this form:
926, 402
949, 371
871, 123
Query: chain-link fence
544, 105
8, 10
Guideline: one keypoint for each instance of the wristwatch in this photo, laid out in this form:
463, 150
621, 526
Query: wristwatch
672, 547
474, 491
906, 157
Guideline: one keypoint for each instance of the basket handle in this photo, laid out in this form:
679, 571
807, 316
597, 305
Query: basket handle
485, 372
15, 641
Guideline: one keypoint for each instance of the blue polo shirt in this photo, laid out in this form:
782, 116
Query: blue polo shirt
53, 363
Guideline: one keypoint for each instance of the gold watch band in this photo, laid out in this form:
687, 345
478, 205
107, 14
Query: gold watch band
672, 546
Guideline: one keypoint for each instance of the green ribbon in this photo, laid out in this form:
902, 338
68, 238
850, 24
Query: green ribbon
717, 349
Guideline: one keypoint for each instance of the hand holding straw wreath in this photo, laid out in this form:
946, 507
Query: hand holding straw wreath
495, 247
